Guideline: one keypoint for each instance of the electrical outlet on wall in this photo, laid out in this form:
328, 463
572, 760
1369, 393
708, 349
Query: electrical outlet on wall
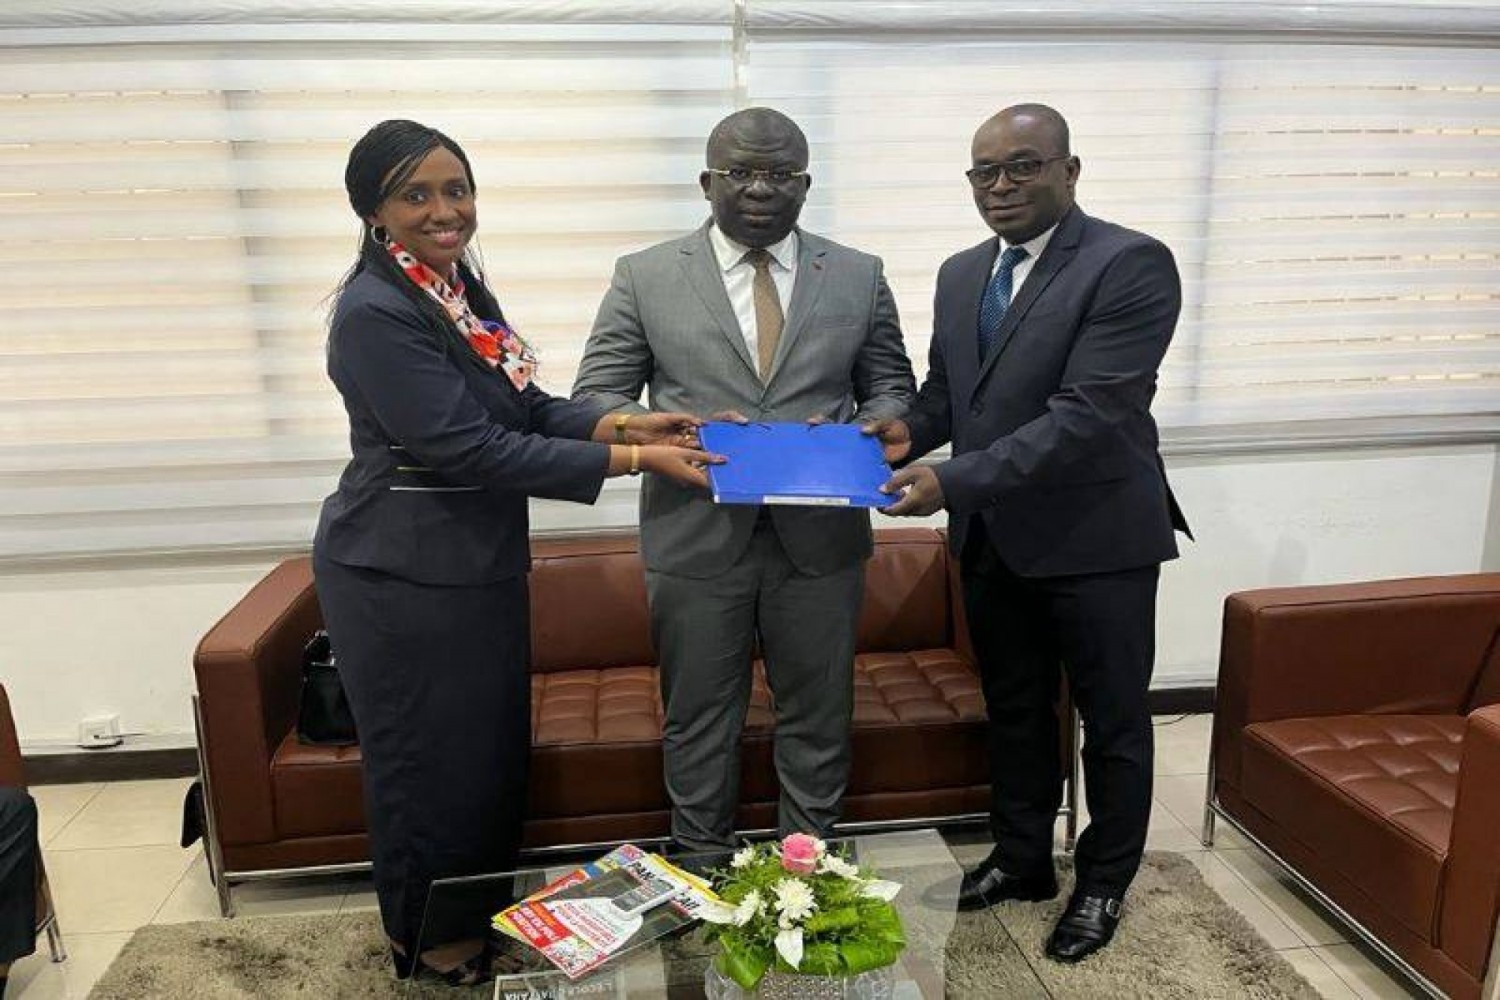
100, 731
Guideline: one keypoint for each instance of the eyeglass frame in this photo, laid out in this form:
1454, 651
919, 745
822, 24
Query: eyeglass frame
765, 175
1006, 167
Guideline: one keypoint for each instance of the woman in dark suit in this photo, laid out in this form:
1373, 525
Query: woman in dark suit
421, 555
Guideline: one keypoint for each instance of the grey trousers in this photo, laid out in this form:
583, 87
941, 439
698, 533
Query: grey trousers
705, 632
18, 857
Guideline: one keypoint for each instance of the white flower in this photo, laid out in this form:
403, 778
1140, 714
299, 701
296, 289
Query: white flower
789, 946
835, 865
880, 889
748, 908
716, 911
794, 898
743, 858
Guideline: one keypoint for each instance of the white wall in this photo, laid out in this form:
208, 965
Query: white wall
92, 640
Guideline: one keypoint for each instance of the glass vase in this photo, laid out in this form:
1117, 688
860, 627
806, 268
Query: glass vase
876, 984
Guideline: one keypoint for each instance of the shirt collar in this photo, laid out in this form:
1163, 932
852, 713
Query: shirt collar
1034, 246
730, 253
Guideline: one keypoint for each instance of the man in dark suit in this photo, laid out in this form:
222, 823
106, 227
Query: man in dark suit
1045, 347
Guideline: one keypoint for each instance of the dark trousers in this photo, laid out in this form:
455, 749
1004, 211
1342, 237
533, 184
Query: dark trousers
1100, 628
437, 679
18, 857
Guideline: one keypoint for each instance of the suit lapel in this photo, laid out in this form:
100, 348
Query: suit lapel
701, 268
811, 254
1060, 251
971, 284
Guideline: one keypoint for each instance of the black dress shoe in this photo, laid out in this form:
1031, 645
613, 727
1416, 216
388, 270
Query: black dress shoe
702, 862
988, 884
1087, 925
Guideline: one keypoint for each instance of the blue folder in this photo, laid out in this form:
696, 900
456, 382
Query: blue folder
824, 465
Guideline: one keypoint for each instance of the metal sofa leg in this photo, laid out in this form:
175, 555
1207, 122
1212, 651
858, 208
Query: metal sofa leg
55, 941
1491, 989
1075, 769
49, 922
1207, 836
211, 835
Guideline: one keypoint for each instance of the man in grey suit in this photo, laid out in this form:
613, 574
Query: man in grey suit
751, 318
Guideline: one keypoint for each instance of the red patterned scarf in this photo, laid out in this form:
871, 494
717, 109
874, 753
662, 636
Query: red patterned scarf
499, 345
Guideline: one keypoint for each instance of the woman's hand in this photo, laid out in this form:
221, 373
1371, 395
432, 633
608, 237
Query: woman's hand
680, 429
681, 465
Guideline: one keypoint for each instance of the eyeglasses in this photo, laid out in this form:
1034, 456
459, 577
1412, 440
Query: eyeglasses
984, 175
744, 177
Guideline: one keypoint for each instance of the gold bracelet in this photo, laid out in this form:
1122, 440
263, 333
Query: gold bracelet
635, 460
621, 419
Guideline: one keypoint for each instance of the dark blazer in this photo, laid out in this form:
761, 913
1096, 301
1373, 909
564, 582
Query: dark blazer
446, 451
1053, 441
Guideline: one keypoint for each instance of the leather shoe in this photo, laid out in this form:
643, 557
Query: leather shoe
988, 884
1086, 925
702, 862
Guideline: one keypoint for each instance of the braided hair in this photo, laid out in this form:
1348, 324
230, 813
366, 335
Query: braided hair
380, 162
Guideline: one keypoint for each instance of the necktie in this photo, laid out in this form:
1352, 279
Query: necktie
997, 299
768, 315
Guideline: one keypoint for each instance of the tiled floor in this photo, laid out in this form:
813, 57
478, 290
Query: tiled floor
111, 851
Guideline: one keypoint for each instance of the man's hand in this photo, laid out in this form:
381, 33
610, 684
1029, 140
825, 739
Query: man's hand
924, 494
895, 440
679, 429
730, 417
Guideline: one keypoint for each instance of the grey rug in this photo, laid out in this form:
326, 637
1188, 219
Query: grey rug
1178, 939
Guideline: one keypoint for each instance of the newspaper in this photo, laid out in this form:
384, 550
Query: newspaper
609, 906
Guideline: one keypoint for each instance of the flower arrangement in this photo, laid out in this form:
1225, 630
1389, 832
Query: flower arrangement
796, 907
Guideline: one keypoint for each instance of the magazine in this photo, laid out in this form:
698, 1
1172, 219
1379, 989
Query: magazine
609, 906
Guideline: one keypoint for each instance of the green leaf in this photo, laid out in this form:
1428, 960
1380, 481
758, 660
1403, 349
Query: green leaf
881, 922
844, 918
864, 955
742, 965
822, 959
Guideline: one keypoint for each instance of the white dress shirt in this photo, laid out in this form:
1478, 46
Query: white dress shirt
1034, 248
739, 277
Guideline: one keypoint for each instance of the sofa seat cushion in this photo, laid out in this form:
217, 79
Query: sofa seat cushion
1373, 794
596, 740
919, 722
316, 791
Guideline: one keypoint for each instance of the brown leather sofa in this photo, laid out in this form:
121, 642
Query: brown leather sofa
276, 806
13, 775
1357, 739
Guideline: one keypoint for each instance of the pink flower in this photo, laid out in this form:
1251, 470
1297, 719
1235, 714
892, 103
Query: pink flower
800, 853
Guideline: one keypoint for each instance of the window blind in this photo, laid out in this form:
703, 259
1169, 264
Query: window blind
1334, 209
172, 216
172, 219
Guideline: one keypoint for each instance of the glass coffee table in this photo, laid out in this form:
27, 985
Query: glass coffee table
947, 953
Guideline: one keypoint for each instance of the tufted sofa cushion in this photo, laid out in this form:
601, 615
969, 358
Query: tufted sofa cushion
1373, 794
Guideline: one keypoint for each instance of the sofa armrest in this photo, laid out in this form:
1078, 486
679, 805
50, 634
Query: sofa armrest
12, 774
248, 670
1412, 646
1471, 874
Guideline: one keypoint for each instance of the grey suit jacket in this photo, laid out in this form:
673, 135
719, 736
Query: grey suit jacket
666, 325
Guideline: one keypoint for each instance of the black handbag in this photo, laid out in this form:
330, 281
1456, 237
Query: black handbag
323, 718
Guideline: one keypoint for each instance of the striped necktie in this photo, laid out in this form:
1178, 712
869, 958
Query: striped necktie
997, 299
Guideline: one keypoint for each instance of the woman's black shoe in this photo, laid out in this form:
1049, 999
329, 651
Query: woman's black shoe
402, 964
470, 972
